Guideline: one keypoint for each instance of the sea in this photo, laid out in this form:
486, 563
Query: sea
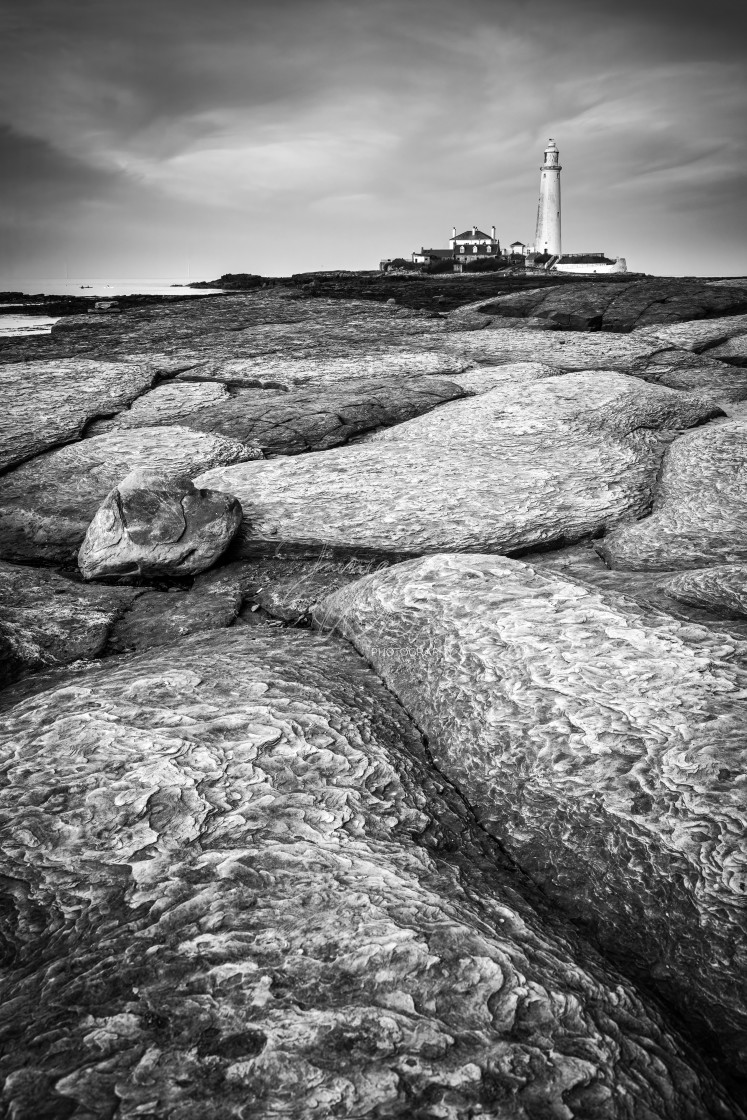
13, 323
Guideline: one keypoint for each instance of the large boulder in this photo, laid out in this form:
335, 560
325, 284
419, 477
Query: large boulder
154, 524
526, 465
49, 402
48, 620
248, 892
700, 508
287, 423
603, 752
47, 505
723, 588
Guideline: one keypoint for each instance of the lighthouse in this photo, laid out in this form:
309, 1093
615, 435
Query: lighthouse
547, 237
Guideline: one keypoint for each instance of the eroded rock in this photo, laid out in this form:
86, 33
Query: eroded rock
529, 464
166, 404
700, 507
156, 524
723, 588
605, 754
48, 620
247, 889
47, 505
698, 335
49, 402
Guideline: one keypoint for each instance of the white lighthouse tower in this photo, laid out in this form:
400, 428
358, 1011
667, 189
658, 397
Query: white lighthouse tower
547, 237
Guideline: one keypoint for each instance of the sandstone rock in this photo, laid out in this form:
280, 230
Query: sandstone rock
648, 589
160, 618
603, 753
317, 419
47, 620
723, 588
700, 508
166, 404
618, 305
248, 890
699, 335
155, 524
733, 352
275, 371
47, 505
539, 463
48, 403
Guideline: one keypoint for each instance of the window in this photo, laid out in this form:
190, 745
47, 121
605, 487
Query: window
474, 248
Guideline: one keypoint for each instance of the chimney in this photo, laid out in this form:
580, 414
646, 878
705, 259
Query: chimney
492, 232
474, 231
453, 231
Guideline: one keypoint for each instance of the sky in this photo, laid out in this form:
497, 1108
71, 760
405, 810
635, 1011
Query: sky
166, 138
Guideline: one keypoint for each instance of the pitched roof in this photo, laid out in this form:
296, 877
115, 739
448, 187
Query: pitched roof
434, 252
469, 235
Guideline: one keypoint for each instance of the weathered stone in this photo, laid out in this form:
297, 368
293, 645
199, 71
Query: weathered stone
484, 378
47, 620
618, 305
155, 524
733, 352
603, 753
166, 404
49, 403
568, 351
159, 618
699, 335
317, 419
648, 589
274, 371
539, 463
247, 890
723, 588
700, 508
47, 505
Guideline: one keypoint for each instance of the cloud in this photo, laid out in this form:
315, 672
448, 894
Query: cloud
392, 117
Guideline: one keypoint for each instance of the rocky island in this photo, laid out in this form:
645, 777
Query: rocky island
374, 687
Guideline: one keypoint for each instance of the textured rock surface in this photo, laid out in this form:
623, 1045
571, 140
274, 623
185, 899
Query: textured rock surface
699, 335
733, 352
47, 505
154, 524
619, 306
723, 588
700, 507
160, 618
605, 754
247, 890
649, 589
48, 403
530, 464
48, 620
165, 404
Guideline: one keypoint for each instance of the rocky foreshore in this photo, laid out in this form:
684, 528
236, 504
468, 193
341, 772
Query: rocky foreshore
374, 687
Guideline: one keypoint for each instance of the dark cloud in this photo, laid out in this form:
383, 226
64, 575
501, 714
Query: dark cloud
364, 127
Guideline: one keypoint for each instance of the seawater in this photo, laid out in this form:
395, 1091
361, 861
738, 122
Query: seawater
11, 323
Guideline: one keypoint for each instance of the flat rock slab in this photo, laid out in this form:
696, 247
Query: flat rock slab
287, 372
288, 423
49, 403
698, 335
537, 463
733, 352
47, 505
700, 507
165, 404
48, 620
569, 351
619, 306
723, 588
604, 754
248, 890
